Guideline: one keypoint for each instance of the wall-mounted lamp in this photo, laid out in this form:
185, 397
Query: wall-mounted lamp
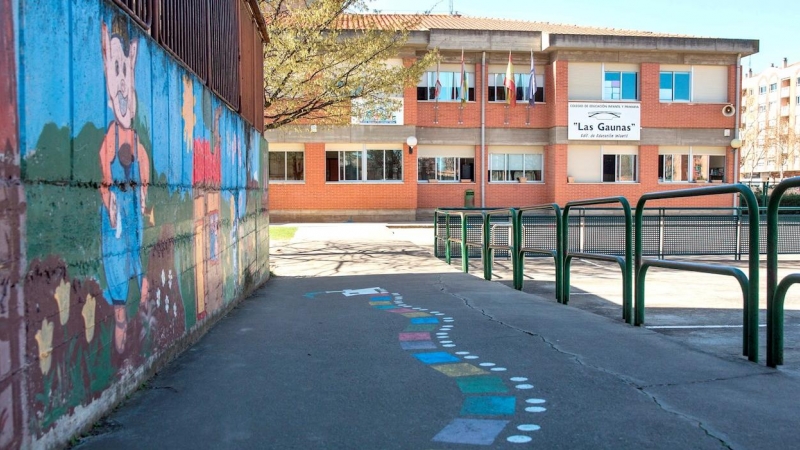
412, 142
736, 143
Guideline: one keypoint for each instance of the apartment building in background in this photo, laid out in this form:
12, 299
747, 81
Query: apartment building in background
614, 112
770, 129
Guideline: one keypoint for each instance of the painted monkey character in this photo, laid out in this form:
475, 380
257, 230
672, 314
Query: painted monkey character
125, 167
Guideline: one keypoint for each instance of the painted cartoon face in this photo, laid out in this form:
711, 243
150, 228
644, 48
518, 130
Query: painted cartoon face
119, 69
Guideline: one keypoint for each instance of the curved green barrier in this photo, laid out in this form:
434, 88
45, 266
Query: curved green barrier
750, 292
521, 250
625, 263
776, 293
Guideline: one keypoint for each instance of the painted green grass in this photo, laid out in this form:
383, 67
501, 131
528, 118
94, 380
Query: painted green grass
278, 233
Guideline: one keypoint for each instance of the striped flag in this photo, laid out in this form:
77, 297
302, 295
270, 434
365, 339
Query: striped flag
511, 88
532, 84
438, 86
464, 86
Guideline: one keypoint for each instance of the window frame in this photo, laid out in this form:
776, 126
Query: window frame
622, 85
692, 159
362, 165
286, 166
507, 172
672, 88
521, 83
457, 161
617, 166
427, 87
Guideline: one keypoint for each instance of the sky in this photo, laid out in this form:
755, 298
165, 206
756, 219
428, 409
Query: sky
776, 24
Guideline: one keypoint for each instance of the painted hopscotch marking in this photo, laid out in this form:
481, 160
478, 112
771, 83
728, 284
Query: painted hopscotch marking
481, 388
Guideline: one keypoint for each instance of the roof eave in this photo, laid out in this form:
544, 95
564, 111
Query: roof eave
558, 41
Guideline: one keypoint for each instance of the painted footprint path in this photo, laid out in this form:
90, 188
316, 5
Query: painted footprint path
492, 393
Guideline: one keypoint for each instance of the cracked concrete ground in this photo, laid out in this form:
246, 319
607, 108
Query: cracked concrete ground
311, 361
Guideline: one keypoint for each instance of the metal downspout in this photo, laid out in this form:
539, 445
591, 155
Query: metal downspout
483, 132
738, 101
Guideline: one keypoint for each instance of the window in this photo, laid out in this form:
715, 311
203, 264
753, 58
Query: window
762, 108
619, 168
496, 91
451, 86
798, 81
762, 90
682, 164
602, 164
445, 168
364, 165
797, 100
512, 167
286, 166
620, 86
773, 87
675, 86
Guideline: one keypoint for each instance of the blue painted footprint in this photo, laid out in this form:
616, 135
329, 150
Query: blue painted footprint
488, 400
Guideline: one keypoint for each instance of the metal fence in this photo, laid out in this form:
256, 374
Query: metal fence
140, 10
664, 233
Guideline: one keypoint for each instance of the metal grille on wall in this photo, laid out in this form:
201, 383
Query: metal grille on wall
140, 10
224, 48
183, 30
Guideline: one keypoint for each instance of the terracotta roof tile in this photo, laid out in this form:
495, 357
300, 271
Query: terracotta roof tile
416, 22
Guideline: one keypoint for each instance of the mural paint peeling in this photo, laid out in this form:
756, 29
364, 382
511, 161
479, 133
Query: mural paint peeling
488, 405
13, 408
132, 209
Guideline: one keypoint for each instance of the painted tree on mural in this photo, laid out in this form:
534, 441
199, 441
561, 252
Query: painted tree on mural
314, 70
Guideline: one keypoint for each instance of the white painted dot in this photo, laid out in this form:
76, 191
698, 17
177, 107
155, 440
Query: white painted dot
434, 312
498, 369
439, 314
399, 297
524, 386
449, 345
415, 309
423, 309
462, 353
519, 439
446, 342
529, 427
535, 409
535, 401
448, 318
441, 334
519, 379
449, 321
395, 293
487, 364
471, 357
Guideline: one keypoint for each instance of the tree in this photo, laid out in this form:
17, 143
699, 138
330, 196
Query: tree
316, 64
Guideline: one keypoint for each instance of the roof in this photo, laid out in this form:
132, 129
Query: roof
427, 22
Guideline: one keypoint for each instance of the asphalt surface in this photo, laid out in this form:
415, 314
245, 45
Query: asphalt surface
366, 341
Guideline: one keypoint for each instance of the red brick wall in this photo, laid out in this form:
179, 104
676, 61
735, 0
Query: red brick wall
317, 194
656, 114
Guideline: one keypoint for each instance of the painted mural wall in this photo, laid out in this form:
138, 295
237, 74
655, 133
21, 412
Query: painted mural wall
133, 208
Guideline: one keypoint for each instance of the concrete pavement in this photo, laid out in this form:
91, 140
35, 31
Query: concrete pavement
363, 341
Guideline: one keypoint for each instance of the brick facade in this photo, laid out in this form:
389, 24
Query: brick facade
448, 123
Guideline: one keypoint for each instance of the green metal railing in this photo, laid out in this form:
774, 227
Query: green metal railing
521, 249
776, 292
462, 240
489, 246
625, 263
749, 284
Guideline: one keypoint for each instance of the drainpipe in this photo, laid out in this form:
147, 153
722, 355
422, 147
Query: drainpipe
483, 132
738, 101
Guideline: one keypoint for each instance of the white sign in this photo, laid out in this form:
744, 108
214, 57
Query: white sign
389, 114
604, 121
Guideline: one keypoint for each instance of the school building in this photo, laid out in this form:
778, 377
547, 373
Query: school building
614, 112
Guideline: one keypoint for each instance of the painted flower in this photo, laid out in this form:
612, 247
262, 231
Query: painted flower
62, 297
88, 316
44, 338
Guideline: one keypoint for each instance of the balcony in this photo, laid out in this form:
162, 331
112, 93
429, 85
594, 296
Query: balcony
785, 110
784, 91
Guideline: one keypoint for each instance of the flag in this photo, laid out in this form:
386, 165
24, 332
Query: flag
511, 88
438, 86
463, 84
532, 84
